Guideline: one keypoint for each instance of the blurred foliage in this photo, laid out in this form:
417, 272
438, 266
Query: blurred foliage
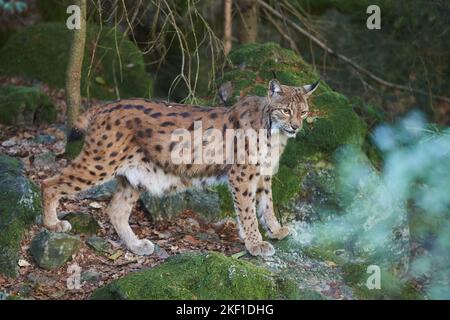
385, 211
13, 6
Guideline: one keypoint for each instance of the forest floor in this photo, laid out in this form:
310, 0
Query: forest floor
186, 232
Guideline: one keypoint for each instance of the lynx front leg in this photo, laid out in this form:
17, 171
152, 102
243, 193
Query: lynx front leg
119, 212
243, 182
265, 210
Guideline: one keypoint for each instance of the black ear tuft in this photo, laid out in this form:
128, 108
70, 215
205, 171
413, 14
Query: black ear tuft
75, 135
274, 88
310, 88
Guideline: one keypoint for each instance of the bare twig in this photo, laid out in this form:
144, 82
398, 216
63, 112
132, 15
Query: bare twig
227, 26
347, 60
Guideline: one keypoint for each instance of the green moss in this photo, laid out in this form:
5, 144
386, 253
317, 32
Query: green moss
20, 205
25, 106
286, 184
200, 276
41, 52
337, 125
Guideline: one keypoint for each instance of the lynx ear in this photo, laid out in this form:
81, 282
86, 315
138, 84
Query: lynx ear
310, 88
274, 88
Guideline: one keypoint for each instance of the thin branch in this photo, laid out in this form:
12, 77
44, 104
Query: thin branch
227, 26
347, 60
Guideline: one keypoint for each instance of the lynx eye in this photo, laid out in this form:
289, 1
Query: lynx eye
304, 113
286, 112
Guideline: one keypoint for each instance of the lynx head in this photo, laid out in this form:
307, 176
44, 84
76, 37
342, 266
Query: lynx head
288, 106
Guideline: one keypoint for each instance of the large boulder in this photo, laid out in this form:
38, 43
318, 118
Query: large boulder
202, 276
20, 206
113, 63
25, 106
212, 204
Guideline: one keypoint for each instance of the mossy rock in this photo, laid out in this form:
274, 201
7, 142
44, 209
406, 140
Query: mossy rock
41, 52
20, 206
51, 250
212, 204
253, 66
82, 223
25, 106
200, 276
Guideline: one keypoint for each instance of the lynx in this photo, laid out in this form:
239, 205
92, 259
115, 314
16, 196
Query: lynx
132, 140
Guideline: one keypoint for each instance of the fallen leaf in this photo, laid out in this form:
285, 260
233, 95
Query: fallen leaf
95, 205
116, 255
23, 263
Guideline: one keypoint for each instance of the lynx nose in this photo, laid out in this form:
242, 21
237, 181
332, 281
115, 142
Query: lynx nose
294, 127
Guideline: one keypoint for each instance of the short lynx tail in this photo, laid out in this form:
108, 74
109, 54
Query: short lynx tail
81, 125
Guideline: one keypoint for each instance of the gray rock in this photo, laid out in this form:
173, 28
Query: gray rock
99, 244
44, 139
8, 143
203, 201
41, 279
51, 250
46, 160
101, 192
160, 253
90, 276
20, 206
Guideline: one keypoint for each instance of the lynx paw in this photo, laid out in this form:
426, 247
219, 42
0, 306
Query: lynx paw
281, 233
263, 249
143, 248
60, 226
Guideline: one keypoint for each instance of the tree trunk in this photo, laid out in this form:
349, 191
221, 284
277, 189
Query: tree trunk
248, 14
73, 73
228, 26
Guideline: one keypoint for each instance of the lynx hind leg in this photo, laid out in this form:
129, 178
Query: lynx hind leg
119, 212
51, 193
83, 173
